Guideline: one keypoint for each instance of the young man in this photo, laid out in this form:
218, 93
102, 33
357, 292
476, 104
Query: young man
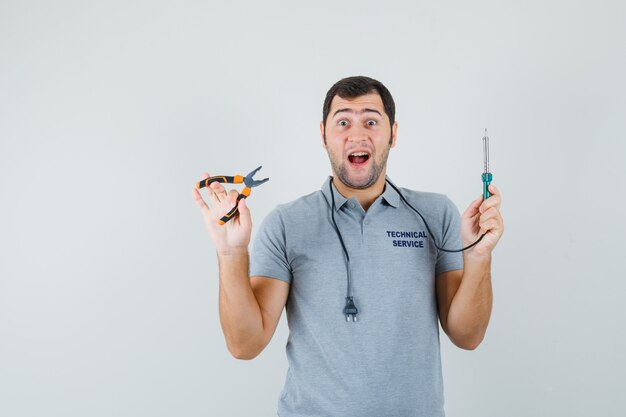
360, 231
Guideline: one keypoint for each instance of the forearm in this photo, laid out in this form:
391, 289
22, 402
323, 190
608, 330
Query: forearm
240, 315
470, 308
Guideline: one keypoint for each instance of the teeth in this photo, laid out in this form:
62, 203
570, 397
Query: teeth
359, 154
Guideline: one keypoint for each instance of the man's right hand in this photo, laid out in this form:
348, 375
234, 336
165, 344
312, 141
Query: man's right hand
234, 236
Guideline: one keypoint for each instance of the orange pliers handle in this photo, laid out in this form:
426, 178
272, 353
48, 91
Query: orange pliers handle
237, 179
244, 194
225, 179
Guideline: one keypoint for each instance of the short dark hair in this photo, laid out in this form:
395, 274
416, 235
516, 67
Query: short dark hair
352, 87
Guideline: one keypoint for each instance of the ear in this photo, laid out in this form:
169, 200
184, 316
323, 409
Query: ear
394, 132
322, 134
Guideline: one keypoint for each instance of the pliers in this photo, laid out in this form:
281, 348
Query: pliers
237, 179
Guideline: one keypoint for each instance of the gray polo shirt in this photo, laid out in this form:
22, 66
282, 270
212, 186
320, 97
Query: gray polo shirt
388, 362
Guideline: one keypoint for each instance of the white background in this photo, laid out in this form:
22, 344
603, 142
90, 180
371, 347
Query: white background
111, 111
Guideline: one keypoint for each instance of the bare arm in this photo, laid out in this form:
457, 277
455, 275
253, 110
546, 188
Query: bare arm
465, 297
250, 308
465, 301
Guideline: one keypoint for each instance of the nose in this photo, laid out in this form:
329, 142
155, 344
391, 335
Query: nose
357, 134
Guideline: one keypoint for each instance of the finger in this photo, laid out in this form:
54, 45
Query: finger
493, 201
486, 226
244, 214
230, 200
489, 225
472, 209
492, 213
209, 190
200, 202
494, 190
219, 192
204, 176
232, 196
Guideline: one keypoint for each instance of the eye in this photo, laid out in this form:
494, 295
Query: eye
371, 122
342, 122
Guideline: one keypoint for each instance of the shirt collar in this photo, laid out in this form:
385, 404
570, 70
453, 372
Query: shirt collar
390, 195
340, 200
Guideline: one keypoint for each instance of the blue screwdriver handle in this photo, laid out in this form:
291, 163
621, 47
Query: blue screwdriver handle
487, 177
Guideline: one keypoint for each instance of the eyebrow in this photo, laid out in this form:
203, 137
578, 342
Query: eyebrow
347, 110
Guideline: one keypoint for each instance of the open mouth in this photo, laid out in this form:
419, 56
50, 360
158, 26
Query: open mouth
358, 158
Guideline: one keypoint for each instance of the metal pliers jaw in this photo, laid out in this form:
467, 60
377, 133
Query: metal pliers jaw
236, 179
251, 182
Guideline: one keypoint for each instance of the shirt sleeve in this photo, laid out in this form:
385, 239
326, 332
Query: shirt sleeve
268, 255
451, 232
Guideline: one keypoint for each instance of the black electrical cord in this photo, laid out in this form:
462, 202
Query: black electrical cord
428, 228
343, 245
350, 309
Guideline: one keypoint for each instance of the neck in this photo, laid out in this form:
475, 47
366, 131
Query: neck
366, 196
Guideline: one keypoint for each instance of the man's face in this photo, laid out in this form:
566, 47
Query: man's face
358, 137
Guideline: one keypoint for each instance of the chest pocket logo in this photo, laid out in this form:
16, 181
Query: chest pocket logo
407, 239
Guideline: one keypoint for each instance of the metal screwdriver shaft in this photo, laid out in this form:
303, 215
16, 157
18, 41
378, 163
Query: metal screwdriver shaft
487, 177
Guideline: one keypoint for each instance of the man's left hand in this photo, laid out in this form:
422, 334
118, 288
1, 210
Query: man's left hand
482, 216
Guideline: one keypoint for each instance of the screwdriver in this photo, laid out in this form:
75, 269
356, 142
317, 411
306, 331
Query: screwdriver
487, 177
